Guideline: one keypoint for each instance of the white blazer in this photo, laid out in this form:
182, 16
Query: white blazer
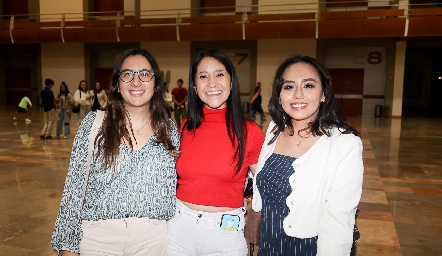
326, 189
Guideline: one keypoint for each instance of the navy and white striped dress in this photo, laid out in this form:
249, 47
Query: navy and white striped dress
274, 187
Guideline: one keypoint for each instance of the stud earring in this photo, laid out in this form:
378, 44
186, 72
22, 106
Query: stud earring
118, 89
322, 100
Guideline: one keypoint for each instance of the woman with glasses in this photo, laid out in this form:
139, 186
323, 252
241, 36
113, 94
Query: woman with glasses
218, 146
123, 204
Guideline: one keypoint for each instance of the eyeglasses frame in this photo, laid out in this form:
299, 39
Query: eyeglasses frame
138, 74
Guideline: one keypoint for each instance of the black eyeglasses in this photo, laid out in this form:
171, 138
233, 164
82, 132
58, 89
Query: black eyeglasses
128, 75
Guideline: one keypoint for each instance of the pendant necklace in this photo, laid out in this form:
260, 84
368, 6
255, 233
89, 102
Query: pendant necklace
138, 131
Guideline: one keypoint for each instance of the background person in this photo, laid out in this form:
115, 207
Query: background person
256, 102
218, 146
64, 114
179, 96
131, 187
48, 101
83, 98
310, 169
99, 98
168, 98
22, 109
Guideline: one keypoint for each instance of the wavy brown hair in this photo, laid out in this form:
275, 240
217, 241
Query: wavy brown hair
114, 128
329, 113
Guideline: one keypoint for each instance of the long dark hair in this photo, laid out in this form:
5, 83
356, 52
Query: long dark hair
79, 86
95, 88
235, 120
115, 124
329, 113
66, 91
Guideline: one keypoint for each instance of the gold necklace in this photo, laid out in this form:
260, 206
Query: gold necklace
138, 131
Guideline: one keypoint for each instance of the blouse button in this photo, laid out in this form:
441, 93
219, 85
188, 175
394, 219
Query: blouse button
293, 203
200, 215
290, 226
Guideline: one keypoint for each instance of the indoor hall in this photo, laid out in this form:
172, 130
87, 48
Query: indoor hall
399, 210
391, 48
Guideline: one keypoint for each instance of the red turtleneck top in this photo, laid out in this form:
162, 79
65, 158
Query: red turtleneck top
207, 164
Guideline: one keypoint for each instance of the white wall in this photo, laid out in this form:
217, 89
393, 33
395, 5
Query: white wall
172, 56
374, 74
57, 7
271, 53
63, 62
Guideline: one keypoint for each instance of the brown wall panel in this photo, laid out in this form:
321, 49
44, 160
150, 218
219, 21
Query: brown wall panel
352, 107
194, 32
74, 35
298, 29
383, 28
4, 37
140, 34
25, 35
425, 26
49, 35
133, 34
361, 28
225, 32
339, 28
103, 76
263, 30
104, 34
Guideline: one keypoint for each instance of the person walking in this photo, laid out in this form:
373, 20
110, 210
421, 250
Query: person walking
179, 96
48, 101
122, 206
64, 111
256, 102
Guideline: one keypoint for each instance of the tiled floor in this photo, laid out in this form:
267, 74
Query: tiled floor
401, 206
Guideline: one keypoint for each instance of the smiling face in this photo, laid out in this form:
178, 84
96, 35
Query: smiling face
212, 83
301, 92
137, 93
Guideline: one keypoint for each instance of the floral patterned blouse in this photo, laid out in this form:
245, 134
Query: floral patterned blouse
141, 184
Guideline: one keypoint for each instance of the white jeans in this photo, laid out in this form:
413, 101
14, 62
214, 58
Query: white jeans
124, 237
196, 233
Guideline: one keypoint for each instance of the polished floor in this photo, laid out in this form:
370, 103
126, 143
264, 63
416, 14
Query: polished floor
401, 205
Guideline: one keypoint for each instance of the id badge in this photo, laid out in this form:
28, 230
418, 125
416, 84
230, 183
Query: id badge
230, 223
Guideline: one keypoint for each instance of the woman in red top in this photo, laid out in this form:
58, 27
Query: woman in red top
218, 146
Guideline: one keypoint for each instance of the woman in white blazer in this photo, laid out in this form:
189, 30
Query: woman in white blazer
82, 97
309, 174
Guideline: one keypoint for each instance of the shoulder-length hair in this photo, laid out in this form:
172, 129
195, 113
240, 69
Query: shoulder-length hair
79, 86
329, 114
114, 128
235, 120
